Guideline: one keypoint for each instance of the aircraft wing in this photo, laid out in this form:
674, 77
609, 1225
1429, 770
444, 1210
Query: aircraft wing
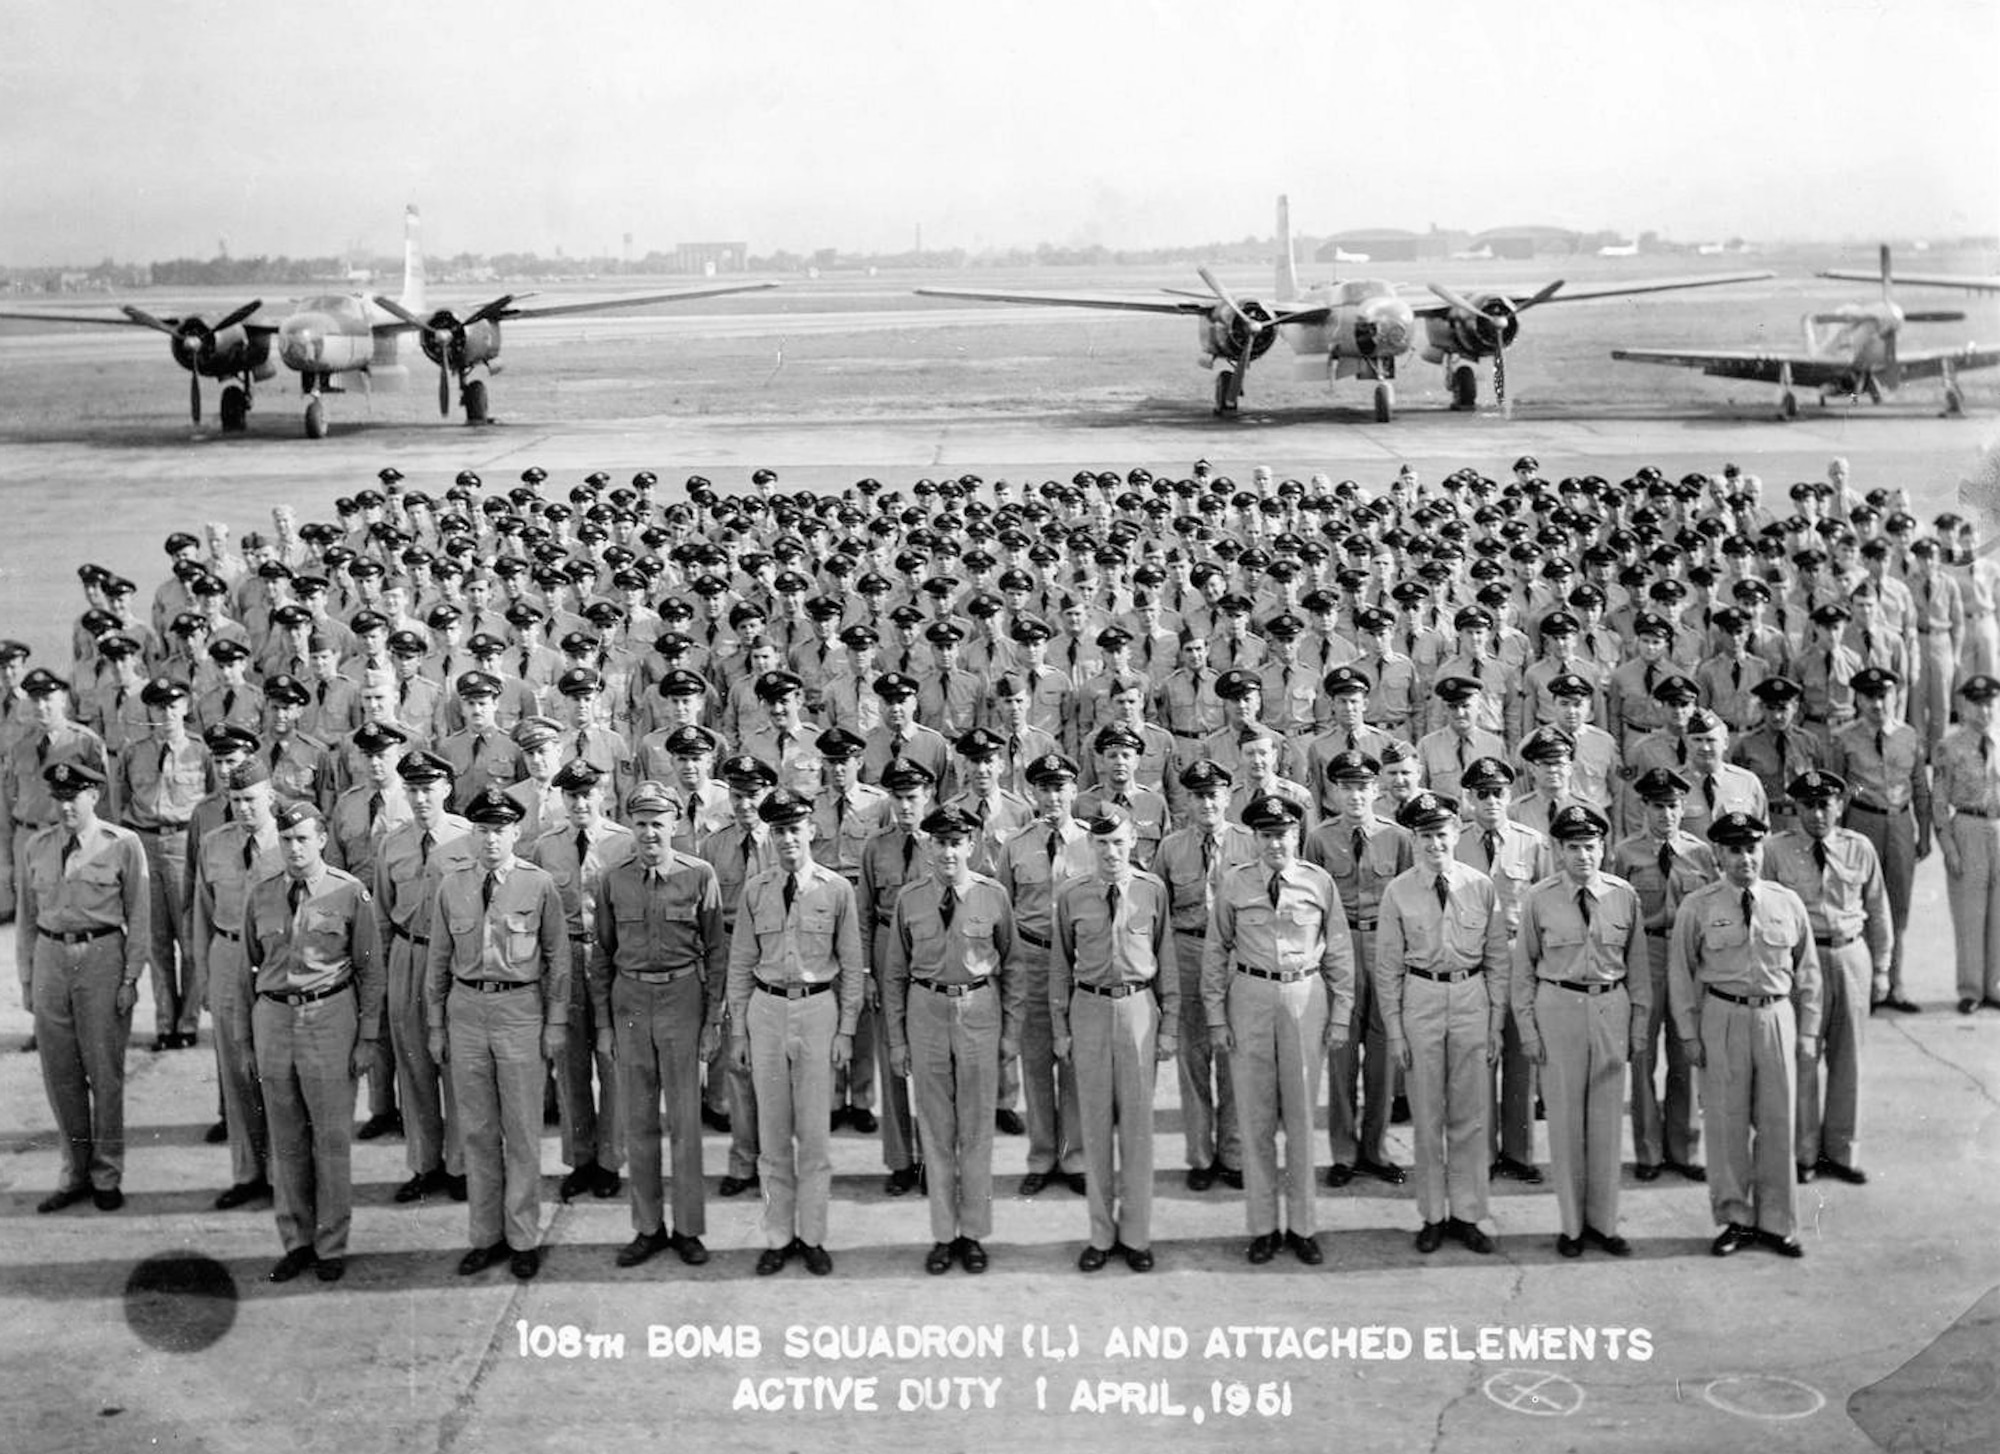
1764, 368
603, 305
1124, 302
1931, 362
132, 319
1565, 292
1918, 280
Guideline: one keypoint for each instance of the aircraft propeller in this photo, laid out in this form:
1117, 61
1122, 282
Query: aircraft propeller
194, 341
444, 331
1254, 327
1493, 323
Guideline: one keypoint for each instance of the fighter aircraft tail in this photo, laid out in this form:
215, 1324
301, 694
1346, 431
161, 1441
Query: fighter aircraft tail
1288, 269
413, 261
1887, 276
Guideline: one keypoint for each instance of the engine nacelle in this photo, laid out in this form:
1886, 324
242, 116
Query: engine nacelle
1455, 334
225, 355
459, 346
1226, 336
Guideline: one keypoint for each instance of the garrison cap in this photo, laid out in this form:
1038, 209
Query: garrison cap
246, 774
1814, 786
1050, 770
746, 773
978, 744
1548, 744
492, 808
1343, 680
1428, 810
1269, 812
1206, 776
291, 815
1738, 830
1577, 823
691, 741
784, 806
950, 823
375, 738
578, 775
838, 744
1486, 775
1874, 681
1701, 722
286, 691
67, 779
1352, 766
1107, 820
163, 691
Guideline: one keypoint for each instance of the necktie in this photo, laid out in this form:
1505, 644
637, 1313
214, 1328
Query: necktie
42, 749
1881, 747
1461, 754
1055, 842
688, 810
582, 741
1666, 860
909, 853
403, 693
1583, 905
1784, 741
784, 743
424, 846
791, 890
582, 846
839, 812
1652, 672
1492, 841
1868, 645
1708, 793
166, 756
118, 700
320, 692
486, 892
374, 808
1749, 909
228, 700
478, 745
277, 752
526, 655
1819, 855
1277, 883
1207, 854
749, 844
69, 849
1443, 891
1736, 674
947, 905
905, 668
294, 893
1985, 749
1350, 742
1111, 903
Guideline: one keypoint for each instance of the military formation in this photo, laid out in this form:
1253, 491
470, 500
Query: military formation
1478, 805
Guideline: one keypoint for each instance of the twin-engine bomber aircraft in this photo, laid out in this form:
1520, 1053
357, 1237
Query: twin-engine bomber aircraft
1860, 357
339, 336
1356, 329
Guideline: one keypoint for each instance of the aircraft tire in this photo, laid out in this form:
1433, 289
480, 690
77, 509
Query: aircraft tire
1464, 388
475, 402
1385, 403
1788, 407
1954, 402
315, 420
235, 409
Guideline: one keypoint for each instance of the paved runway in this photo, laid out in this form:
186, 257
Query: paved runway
1754, 1352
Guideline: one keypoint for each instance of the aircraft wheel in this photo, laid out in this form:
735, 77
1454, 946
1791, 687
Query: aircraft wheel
1225, 392
475, 402
1788, 406
1385, 402
235, 409
1464, 388
315, 420
1954, 402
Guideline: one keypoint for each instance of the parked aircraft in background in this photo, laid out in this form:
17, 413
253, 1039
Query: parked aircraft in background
1355, 329
336, 338
1918, 280
1861, 356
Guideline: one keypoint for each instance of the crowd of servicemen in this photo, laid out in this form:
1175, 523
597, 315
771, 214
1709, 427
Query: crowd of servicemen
1448, 800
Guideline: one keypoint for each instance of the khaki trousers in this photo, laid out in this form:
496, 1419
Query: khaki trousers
791, 1065
1586, 1038
1112, 1047
1451, 1095
81, 1039
1747, 1109
1208, 1097
497, 1071
955, 1073
658, 1027
305, 1057
1279, 1030
230, 1004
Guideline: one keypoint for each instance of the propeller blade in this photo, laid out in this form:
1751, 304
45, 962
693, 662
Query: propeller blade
398, 311
1542, 297
237, 315
486, 312
1500, 377
140, 315
194, 395
1948, 315
444, 388
1229, 302
1457, 300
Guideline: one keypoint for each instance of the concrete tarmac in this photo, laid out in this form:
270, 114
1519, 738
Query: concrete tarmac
156, 1324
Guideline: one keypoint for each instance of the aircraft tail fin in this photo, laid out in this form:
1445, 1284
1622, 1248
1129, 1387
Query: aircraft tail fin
1887, 276
1288, 269
413, 261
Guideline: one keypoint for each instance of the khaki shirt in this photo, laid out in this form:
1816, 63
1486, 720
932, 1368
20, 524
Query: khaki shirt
1385, 852
1966, 779
158, 786
1771, 953
1304, 931
1637, 861
1190, 882
1892, 777
1555, 943
328, 940
978, 944
519, 937
1521, 858
1029, 874
24, 792
1468, 931
816, 941
1845, 901
103, 885
555, 853
1097, 946
406, 878
651, 921
737, 855
222, 881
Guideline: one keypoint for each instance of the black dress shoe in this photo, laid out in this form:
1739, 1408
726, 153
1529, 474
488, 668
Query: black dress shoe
1139, 1259
863, 1120
819, 1262
525, 1263
184, 1040
330, 1269
773, 1259
714, 1120
1611, 1242
1399, 1111
55, 1201
1688, 1169
690, 1250
1852, 1175
1200, 1178
241, 1192
1008, 1122
1474, 1239
410, 1191
1901, 1003
971, 1254
643, 1246
107, 1198
217, 1134
481, 1258
1229, 1176
291, 1265
1263, 1249
28, 1046
1567, 1246
900, 1182
1967, 1006
1339, 1174
166, 1042
1783, 1246
1731, 1239
937, 1262
836, 1119
1092, 1259
1990, 1003
1513, 1170
454, 1186
386, 1124
579, 1181
1646, 1171
606, 1184
731, 1186
1431, 1237
1305, 1246
1076, 1182
1380, 1170
1033, 1182
1806, 1174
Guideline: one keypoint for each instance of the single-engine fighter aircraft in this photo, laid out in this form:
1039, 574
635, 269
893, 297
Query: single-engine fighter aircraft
1861, 356
1354, 329
336, 337
1917, 280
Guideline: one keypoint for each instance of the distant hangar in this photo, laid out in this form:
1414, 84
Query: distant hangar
1396, 244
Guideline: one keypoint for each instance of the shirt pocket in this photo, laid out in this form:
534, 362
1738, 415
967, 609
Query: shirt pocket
980, 955
522, 934
816, 933
325, 934
1733, 934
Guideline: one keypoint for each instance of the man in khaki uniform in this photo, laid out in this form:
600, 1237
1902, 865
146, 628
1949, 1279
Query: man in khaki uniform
496, 998
84, 906
312, 950
1889, 804
1581, 992
158, 781
1968, 794
1744, 986
951, 1013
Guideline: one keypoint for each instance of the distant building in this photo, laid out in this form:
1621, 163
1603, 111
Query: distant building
1389, 245
711, 257
1529, 241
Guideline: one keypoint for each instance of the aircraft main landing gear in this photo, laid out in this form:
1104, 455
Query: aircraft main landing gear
1228, 389
1464, 388
315, 419
1954, 401
1788, 405
1385, 402
235, 409
474, 399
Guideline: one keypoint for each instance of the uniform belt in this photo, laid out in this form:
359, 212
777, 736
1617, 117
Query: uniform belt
1282, 976
234, 936
794, 991
1360, 925
295, 998
496, 986
1035, 939
1659, 933
1183, 732
1974, 813
1109, 991
1443, 976
1755, 1002
1588, 986
579, 939
1834, 941
953, 991
397, 929
1197, 931
158, 828
80, 936
658, 976
1857, 805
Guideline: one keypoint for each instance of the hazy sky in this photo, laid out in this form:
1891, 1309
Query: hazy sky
153, 128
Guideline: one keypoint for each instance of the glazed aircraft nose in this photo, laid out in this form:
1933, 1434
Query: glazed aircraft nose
302, 341
1394, 325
